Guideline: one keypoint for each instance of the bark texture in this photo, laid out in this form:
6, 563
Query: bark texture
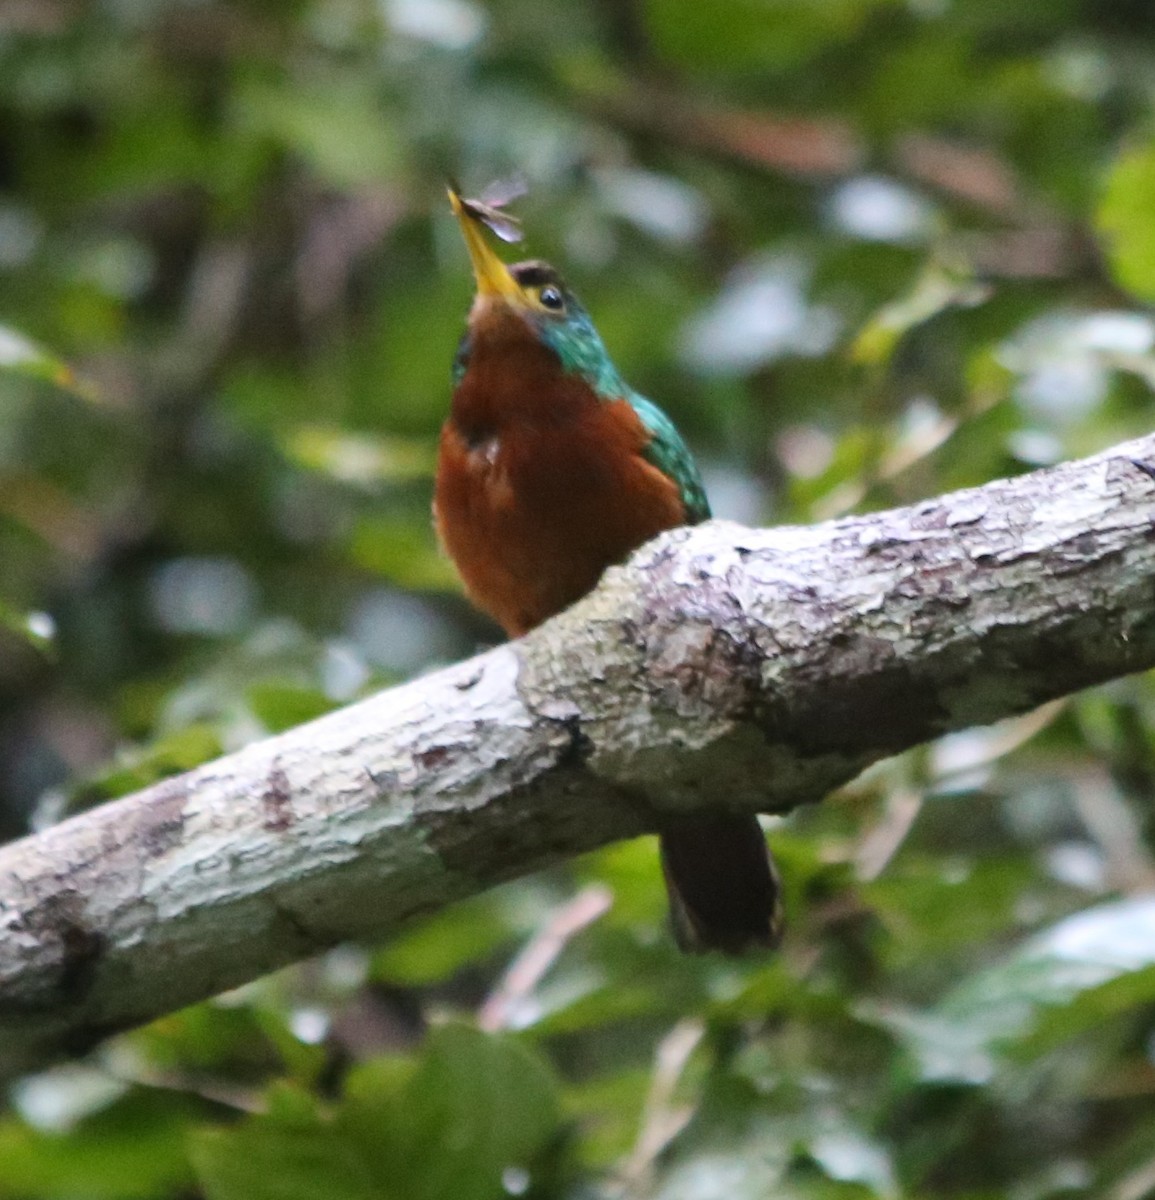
723, 667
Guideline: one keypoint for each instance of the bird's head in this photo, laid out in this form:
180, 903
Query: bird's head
532, 297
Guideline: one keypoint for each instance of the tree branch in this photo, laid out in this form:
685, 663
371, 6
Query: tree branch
756, 669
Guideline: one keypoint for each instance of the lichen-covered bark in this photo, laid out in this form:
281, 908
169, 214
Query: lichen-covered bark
723, 666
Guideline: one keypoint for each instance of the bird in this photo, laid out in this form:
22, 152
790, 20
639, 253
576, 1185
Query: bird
550, 469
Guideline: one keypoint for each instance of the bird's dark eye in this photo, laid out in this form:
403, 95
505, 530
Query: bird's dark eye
551, 297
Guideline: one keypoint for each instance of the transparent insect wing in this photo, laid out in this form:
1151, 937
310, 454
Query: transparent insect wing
502, 224
504, 191
487, 207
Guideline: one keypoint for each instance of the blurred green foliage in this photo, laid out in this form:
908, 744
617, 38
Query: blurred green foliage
863, 251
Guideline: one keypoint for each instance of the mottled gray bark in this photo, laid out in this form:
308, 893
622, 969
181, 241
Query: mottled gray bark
755, 669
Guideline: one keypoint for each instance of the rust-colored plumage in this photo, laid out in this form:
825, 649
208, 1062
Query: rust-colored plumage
540, 484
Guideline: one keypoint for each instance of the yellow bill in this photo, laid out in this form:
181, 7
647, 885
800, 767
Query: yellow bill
492, 275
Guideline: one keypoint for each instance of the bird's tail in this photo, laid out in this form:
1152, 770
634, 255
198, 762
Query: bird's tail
723, 885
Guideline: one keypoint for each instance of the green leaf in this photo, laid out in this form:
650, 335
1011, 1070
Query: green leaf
751, 34
938, 288
36, 629
1133, 992
1124, 218
360, 459
280, 706
403, 551
178, 751
476, 1106
133, 1148
22, 356
207, 1038
432, 950
267, 1160
966, 1036
334, 124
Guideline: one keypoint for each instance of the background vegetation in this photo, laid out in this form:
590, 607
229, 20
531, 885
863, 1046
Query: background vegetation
863, 251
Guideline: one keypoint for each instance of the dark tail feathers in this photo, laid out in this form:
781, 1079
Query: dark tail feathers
723, 886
